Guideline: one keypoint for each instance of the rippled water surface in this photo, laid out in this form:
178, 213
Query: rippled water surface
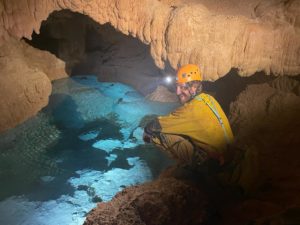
83, 148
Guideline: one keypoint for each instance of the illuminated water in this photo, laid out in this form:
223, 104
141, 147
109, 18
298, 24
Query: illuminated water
81, 149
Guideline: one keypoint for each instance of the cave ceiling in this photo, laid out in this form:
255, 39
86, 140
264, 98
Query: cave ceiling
256, 35
218, 35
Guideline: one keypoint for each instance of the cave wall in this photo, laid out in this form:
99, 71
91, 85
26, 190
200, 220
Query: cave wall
25, 81
257, 35
90, 48
254, 36
188, 31
64, 35
265, 119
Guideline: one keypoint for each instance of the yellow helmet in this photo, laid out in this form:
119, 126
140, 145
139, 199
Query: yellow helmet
187, 73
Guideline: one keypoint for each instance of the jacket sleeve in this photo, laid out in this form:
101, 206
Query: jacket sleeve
181, 121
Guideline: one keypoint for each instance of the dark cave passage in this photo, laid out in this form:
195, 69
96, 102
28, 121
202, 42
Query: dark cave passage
90, 48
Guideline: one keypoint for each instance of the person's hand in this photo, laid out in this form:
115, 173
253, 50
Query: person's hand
146, 138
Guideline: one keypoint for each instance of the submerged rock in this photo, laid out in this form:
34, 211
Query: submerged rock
162, 94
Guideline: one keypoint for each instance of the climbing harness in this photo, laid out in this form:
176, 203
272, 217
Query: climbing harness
199, 156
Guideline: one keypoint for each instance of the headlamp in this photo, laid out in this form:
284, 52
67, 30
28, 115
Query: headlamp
169, 79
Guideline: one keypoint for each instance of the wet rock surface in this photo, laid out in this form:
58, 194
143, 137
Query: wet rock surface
164, 201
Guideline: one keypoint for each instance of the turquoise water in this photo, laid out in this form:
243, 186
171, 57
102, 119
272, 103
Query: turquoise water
83, 148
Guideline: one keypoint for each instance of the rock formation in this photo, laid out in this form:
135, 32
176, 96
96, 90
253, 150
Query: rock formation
162, 94
252, 36
165, 201
267, 127
90, 48
257, 35
25, 81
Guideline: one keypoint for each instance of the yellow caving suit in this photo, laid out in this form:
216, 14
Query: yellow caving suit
194, 132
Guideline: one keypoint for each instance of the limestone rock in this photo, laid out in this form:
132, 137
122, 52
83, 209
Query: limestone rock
90, 48
256, 35
64, 34
266, 122
162, 94
44, 61
259, 35
25, 81
286, 84
165, 201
